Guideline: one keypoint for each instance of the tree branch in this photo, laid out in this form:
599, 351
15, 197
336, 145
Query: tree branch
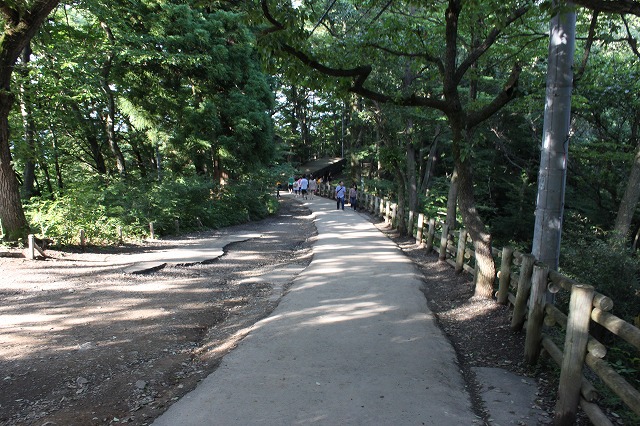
587, 48
633, 43
508, 93
487, 43
12, 16
358, 74
426, 56
611, 6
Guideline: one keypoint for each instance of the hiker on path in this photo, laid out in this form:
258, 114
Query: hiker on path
304, 184
340, 193
291, 180
353, 196
296, 187
313, 186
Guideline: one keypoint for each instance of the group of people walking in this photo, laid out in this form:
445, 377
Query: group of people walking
306, 188
303, 187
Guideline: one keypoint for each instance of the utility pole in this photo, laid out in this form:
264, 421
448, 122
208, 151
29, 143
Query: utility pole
555, 138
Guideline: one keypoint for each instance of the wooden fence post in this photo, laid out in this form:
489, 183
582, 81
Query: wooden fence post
505, 275
387, 211
575, 349
444, 238
410, 224
394, 215
462, 246
32, 247
537, 300
420, 229
522, 294
119, 233
151, 233
83, 239
431, 234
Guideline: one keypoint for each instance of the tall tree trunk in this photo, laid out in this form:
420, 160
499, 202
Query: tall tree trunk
553, 158
56, 158
111, 105
629, 201
430, 163
12, 217
473, 222
20, 25
96, 153
93, 144
452, 201
412, 180
401, 178
29, 172
47, 177
140, 160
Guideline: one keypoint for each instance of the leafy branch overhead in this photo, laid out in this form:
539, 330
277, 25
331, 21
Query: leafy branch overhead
450, 74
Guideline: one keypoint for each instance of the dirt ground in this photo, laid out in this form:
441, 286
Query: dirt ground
82, 343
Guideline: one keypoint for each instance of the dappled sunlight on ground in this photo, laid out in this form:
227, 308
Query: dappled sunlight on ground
475, 307
77, 332
331, 314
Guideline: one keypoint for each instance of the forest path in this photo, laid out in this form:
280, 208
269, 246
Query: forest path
352, 342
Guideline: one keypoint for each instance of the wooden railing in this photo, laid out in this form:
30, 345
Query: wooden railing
525, 284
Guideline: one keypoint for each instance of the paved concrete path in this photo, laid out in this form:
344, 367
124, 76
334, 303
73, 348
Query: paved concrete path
351, 343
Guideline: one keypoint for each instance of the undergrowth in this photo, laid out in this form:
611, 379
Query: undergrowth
102, 206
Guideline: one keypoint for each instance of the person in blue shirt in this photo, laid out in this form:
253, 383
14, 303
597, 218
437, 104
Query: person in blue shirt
340, 194
304, 184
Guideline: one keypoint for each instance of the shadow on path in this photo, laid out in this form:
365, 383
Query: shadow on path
352, 342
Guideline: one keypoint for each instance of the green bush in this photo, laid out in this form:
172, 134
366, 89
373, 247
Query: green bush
611, 269
101, 205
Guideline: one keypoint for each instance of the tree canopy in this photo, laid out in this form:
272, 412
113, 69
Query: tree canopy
438, 105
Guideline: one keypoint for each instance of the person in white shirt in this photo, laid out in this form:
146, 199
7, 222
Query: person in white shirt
313, 186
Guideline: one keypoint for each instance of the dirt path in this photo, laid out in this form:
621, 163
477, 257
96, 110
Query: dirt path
82, 342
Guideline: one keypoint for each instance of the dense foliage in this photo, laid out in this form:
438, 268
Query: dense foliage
101, 206
138, 112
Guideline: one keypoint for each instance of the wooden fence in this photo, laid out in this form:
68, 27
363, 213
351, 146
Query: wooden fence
525, 284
